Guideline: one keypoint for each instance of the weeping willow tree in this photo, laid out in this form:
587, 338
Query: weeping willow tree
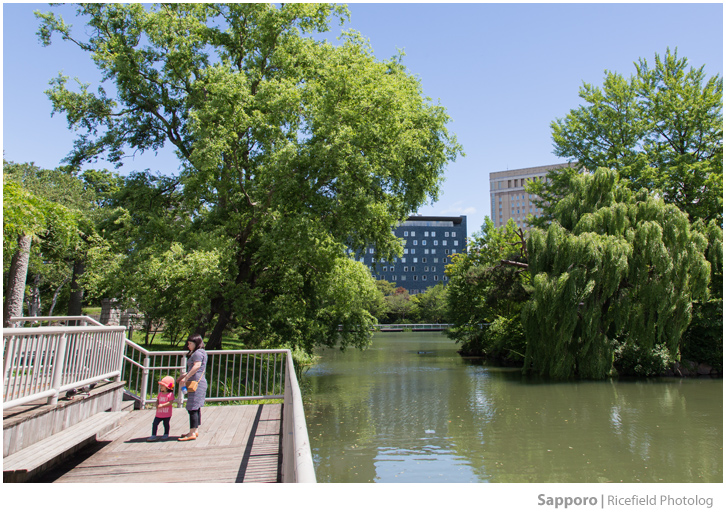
616, 271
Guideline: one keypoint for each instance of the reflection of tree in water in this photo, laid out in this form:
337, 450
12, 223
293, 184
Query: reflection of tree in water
590, 431
377, 411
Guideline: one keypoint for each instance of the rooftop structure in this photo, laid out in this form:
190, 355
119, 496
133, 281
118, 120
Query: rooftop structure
508, 197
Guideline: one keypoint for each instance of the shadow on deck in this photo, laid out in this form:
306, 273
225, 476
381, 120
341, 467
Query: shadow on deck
235, 444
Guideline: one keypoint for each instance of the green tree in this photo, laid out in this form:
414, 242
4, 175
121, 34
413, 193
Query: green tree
431, 305
291, 148
662, 129
40, 206
614, 277
486, 291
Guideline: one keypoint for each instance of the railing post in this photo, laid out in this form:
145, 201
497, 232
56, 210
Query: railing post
144, 381
60, 359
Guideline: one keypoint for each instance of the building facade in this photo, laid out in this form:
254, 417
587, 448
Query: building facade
429, 243
508, 198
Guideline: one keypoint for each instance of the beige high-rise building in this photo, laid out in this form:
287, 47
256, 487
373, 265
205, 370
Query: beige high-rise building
508, 198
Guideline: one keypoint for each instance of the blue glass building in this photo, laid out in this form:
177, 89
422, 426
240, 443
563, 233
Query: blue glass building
429, 243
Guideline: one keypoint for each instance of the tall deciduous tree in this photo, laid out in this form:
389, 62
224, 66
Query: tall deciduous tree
661, 128
614, 274
486, 291
292, 148
33, 211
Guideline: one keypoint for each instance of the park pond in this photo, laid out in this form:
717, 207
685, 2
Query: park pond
410, 409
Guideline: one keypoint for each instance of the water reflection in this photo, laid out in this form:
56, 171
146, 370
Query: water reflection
411, 410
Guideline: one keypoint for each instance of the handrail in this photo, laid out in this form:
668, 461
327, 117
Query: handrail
296, 454
414, 326
19, 319
42, 362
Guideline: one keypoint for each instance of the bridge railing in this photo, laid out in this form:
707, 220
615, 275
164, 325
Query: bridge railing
234, 376
413, 326
42, 362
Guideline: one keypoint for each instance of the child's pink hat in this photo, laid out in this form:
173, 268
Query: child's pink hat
168, 382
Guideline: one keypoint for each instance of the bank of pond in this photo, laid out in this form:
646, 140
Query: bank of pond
411, 409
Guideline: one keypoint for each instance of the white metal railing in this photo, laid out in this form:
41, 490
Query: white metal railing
297, 458
413, 326
42, 362
50, 321
234, 375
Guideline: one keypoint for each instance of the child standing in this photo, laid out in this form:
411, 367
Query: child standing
163, 408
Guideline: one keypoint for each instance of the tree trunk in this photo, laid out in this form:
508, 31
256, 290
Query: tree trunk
75, 304
34, 306
55, 297
215, 340
15, 291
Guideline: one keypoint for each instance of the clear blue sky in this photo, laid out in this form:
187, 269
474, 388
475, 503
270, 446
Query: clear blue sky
503, 71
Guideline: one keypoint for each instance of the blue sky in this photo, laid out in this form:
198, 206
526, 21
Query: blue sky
503, 71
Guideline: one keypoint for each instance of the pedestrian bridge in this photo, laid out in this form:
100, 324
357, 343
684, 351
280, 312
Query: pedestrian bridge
253, 425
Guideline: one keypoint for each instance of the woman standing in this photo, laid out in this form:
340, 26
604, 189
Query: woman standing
196, 384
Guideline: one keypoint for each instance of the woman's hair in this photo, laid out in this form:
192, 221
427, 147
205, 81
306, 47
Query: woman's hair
198, 343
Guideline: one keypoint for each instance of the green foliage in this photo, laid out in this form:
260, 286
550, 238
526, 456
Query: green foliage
616, 267
291, 150
703, 340
431, 305
662, 129
485, 296
51, 207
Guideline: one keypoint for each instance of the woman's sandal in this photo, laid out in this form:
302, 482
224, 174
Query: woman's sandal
189, 437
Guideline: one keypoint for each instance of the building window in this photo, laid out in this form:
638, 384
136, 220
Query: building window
423, 242
405, 251
426, 251
413, 251
415, 278
456, 242
433, 251
446, 234
415, 260
415, 242
403, 260
413, 268
445, 242
423, 278
433, 233
405, 233
394, 277
426, 269
446, 252
436, 278
436, 260
453, 251
413, 233
403, 277
385, 268
423, 260
433, 268
405, 269
436, 242
453, 233
426, 233
371, 250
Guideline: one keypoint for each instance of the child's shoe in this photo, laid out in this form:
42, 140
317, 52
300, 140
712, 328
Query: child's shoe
152, 438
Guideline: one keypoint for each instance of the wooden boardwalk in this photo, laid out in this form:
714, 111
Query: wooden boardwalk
235, 444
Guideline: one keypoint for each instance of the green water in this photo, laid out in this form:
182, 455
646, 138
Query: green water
409, 409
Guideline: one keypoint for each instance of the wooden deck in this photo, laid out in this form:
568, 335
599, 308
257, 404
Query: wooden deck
235, 444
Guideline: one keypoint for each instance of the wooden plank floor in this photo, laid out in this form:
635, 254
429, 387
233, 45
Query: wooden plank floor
235, 444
